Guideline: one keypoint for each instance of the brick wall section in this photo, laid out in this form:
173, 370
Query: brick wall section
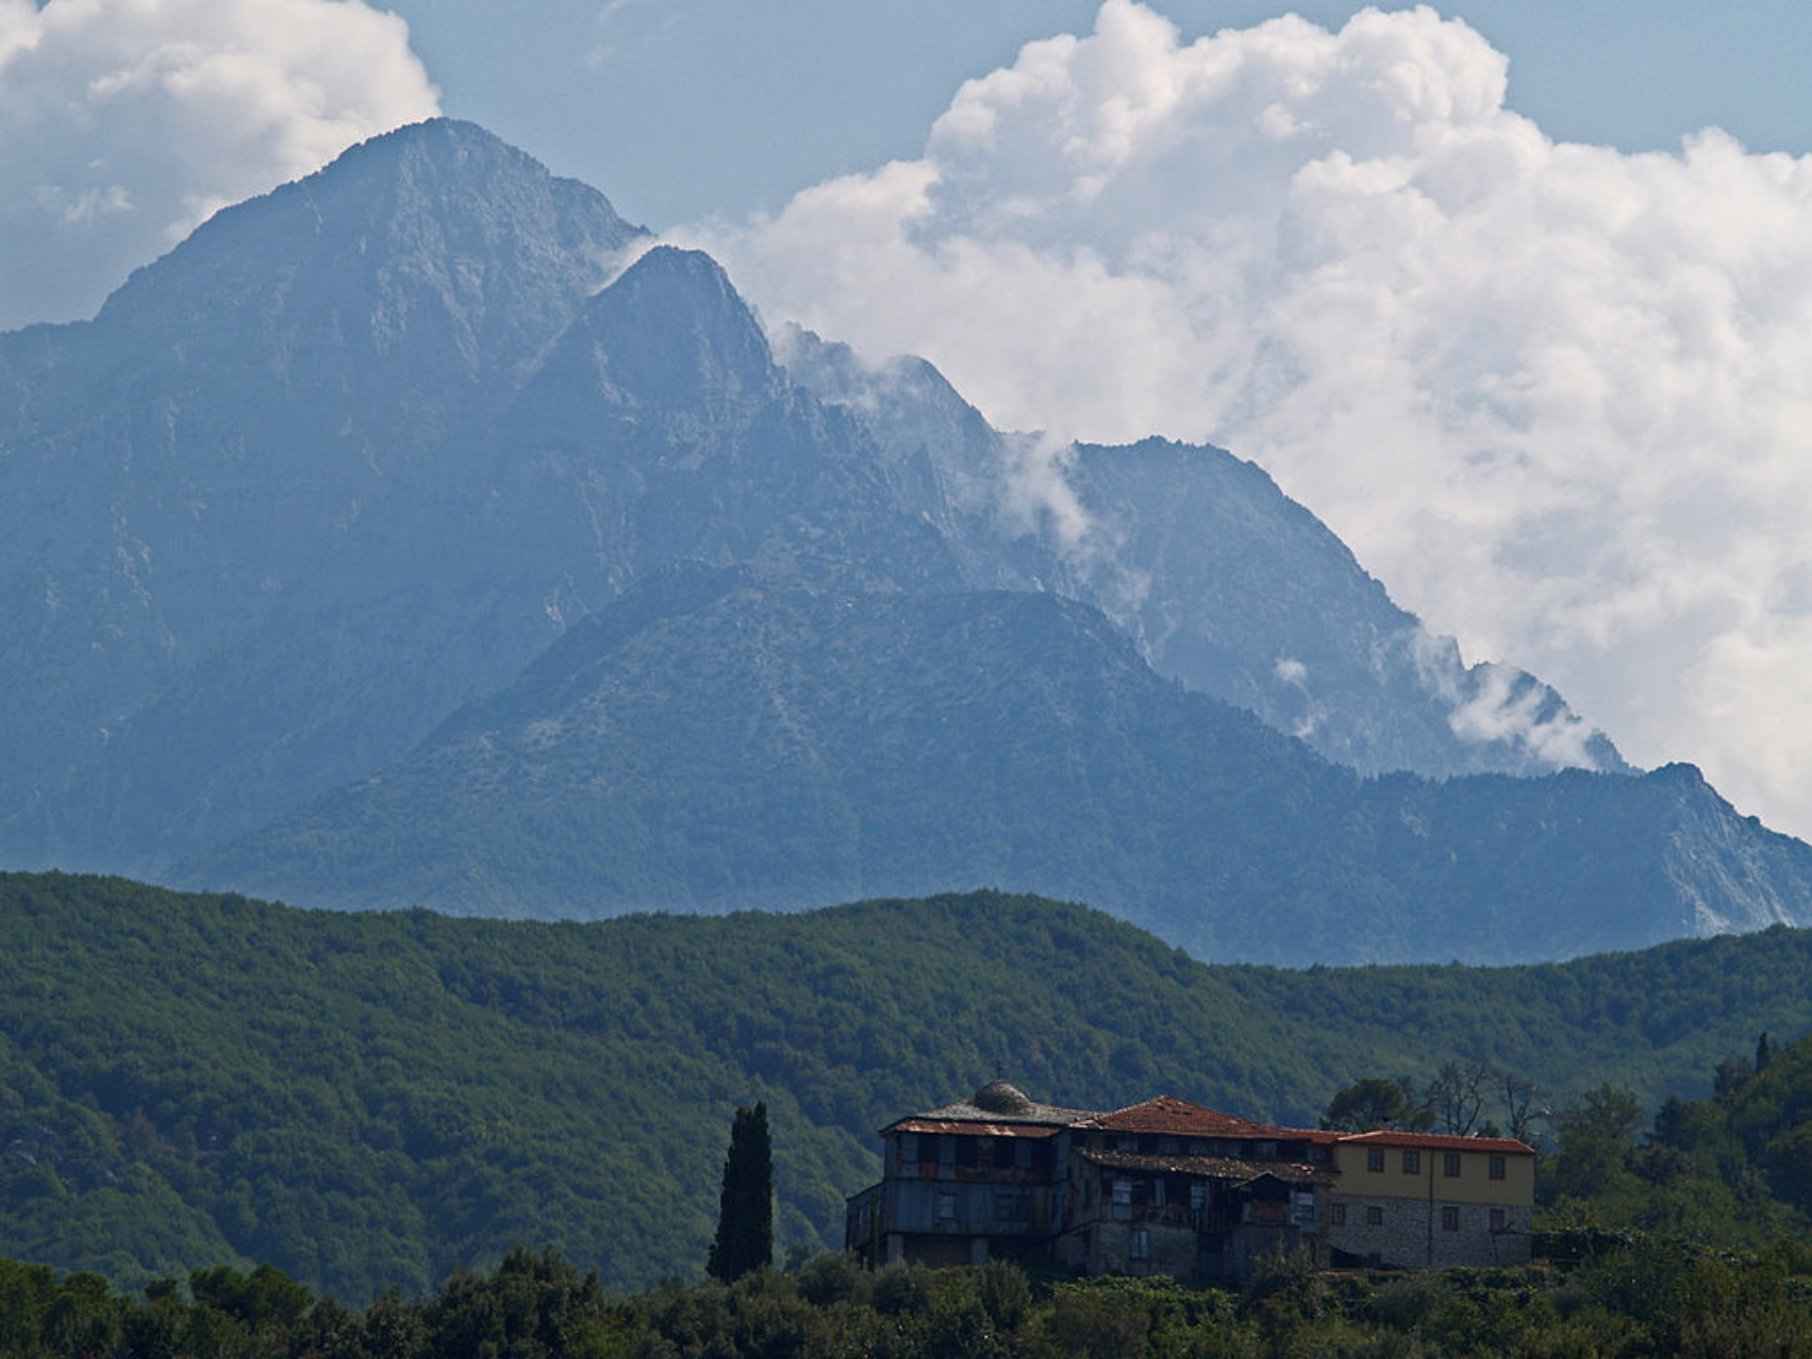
1403, 1239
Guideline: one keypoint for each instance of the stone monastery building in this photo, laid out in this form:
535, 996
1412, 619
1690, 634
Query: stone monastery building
1168, 1187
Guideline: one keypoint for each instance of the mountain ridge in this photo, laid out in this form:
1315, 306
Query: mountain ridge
718, 739
1136, 529
331, 482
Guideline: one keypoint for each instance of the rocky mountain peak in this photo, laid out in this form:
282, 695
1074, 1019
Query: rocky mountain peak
671, 332
435, 245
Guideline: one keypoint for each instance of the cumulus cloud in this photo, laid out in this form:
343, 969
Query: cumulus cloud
1494, 702
1557, 396
123, 125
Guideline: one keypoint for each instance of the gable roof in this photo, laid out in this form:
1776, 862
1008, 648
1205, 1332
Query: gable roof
1179, 1118
1421, 1141
1002, 1110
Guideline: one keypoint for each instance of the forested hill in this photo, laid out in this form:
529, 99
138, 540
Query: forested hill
375, 1100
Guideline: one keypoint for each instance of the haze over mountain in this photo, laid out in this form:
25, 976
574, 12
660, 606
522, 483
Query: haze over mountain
308, 490
217, 597
1228, 585
714, 741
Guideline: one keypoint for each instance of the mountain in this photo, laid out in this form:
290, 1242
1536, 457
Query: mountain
299, 510
717, 740
1230, 586
375, 1100
347, 459
202, 491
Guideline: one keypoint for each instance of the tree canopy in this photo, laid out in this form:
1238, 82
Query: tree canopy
378, 1101
745, 1214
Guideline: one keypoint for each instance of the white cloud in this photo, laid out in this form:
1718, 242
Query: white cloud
1296, 674
1559, 397
1492, 702
124, 124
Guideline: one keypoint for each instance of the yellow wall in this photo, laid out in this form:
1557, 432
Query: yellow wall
1473, 1184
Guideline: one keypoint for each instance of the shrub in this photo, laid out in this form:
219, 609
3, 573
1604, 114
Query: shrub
1005, 1293
830, 1278
902, 1290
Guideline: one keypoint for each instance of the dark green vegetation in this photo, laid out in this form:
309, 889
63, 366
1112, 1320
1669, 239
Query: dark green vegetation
367, 1101
713, 740
1735, 1168
1648, 1301
322, 545
745, 1214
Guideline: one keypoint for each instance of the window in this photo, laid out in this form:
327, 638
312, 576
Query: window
1003, 1153
946, 1206
966, 1150
1497, 1167
1302, 1208
1450, 1219
1374, 1216
1499, 1219
1198, 1195
1450, 1165
1141, 1244
909, 1147
1374, 1158
1009, 1205
1412, 1163
1337, 1214
1266, 1151
1123, 1199
928, 1147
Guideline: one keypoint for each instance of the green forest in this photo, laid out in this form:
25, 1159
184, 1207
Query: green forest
1645, 1299
378, 1102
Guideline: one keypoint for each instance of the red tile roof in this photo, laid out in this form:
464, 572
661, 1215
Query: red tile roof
1398, 1137
1317, 1137
1179, 1118
1168, 1115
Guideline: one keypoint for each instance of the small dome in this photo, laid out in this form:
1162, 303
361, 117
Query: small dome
1000, 1097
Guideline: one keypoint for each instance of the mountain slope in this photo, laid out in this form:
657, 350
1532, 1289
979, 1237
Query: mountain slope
346, 460
1230, 586
226, 452
350, 458
375, 1100
720, 740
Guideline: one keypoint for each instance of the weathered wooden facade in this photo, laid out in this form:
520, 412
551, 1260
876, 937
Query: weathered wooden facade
1168, 1187
967, 1182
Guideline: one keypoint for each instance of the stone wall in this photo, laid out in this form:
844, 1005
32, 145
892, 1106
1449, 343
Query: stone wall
1413, 1227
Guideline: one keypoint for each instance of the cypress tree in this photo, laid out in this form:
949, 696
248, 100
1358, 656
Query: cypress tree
1764, 1054
745, 1214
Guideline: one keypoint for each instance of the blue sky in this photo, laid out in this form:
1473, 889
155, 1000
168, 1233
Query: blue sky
678, 108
